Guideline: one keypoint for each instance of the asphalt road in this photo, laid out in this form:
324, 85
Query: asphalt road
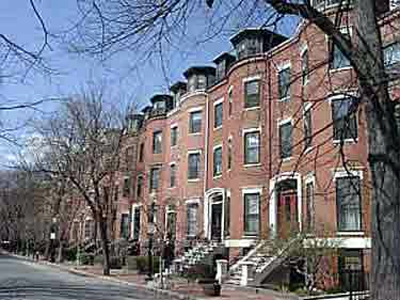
20, 279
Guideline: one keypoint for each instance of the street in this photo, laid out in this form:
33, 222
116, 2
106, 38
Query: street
21, 279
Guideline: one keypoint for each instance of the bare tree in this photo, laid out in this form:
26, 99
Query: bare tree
84, 140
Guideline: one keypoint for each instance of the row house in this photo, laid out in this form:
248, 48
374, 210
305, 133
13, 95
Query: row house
259, 146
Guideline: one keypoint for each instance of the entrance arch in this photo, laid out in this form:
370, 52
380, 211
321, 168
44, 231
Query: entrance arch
214, 214
285, 207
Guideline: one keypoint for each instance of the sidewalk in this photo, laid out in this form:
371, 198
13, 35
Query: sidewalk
179, 288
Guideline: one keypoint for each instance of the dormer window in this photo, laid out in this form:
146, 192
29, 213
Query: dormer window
199, 78
160, 105
249, 42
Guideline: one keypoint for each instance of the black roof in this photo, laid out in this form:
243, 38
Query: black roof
160, 97
257, 32
206, 70
224, 56
179, 85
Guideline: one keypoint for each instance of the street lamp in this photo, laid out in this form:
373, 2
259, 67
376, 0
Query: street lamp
150, 233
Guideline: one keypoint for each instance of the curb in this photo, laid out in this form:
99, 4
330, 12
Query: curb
157, 291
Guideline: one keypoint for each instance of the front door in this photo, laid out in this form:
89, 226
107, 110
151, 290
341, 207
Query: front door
287, 214
171, 225
216, 221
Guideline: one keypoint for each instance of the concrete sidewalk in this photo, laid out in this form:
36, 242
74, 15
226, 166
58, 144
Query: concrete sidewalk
179, 288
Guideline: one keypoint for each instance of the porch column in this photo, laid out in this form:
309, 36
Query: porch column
222, 269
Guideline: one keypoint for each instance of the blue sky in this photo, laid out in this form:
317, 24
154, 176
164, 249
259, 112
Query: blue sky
122, 73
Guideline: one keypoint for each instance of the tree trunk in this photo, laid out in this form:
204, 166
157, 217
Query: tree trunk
104, 245
384, 158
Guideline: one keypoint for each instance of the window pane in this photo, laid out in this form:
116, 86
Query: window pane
252, 94
174, 136
192, 219
284, 83
344, 122
307, 128
310, 205
348, 199
155, 174
392, 54
252, 148
195, 122
157, 142
251, 213
338, 58
139, 186
230, 102
141, 152
304, 66
218, 115
172, 175
194, 165
285, 136
201, 82
218, 161
192, 83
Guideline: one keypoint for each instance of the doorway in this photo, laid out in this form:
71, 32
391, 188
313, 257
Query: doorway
287, 208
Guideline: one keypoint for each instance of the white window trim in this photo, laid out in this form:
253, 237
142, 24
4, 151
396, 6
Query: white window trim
219, 101
195, 109
215, 148
285, 121
172, 163
303, 49
249, 130
251, 78
310, 178
193, 201
194, 151
283, 66
344, 173
175, 125
230, 89
252, 190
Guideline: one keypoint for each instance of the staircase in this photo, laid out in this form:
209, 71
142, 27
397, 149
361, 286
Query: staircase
199, 253
260, 262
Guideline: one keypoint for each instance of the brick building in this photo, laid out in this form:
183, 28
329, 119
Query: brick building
253, 148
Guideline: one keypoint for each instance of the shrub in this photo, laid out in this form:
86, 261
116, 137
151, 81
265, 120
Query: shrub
115, 262
131, 263
87, 259
70, 254
98, 260
142, 263
200, 271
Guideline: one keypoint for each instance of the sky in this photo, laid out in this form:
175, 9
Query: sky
123, 74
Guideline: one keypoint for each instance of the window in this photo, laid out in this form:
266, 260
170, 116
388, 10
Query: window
284, 83
195, 122
348, 201
127, 187
285, 140
217, 160
252, 94
307, 127
344, 120
351, 273
157, 142
227, 215
172, 175
218, 115
136, 223
192, 83
139, 186
251, 213
230, 102
128, 157
194, 166
338, 59
174, 136
89, 229
391, 54
310, 205
221, 70
141, 152
304, 66
252, 147
154, 178
230, 154
159, 105
124, 230
201, 82
192, 219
